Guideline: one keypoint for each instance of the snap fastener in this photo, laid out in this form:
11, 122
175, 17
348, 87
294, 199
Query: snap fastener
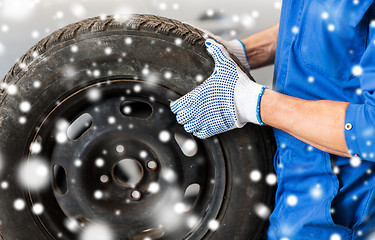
348, 126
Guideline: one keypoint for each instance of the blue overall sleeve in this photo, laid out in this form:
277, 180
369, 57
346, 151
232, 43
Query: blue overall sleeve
360, 118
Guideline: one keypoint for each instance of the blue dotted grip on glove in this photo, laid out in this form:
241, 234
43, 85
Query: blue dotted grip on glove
209, 109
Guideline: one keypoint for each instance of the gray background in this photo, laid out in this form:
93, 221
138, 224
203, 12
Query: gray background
24, 22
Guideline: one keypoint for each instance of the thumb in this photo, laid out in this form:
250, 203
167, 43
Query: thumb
217, 51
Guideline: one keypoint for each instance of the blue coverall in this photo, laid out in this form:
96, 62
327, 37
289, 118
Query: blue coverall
326, 50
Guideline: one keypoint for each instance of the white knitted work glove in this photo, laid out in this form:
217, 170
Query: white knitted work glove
228, 99
235, 46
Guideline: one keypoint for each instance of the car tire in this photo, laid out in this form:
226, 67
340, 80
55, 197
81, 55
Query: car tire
94, 67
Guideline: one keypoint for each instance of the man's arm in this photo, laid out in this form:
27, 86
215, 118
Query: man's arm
261, 47
318, 123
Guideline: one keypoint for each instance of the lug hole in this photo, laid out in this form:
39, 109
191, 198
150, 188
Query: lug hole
60, 181
79, 126
191, 196
186, 142
136, 109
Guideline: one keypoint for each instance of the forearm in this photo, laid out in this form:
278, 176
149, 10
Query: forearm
318, 123
261, 47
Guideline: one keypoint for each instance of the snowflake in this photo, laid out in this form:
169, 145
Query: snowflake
271, 179
19, 204
357, 70
169, 175
199, 78
4, 28
74, 48
37, 84
35, 148
78, 162
137, 88
255, 14
35, 34
255, 175
331, 27
355, 161
235, 18
71, 224
98, 194
111, 120
4, 184
277, 5
99, 162
128, 41
192, 221
154, 187
34, 174
12, 89
262, 210
316, 192
143, 154
78, 10
325, 15
335, 236
178, 41
292, 200
247, 21
22, 120
163, 6
295, 29
58, 15
37, 208
108, 51
210, 12
213, 224
94, 94
168, 75
164, 136
175, 6
25, 106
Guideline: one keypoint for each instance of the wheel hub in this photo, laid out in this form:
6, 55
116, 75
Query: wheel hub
126, 162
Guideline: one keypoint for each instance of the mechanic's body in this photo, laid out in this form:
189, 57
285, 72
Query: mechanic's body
306, 171
318, 102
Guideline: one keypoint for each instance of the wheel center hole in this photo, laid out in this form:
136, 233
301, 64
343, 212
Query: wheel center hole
128, 172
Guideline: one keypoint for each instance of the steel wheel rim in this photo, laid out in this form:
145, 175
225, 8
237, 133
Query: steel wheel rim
213, 191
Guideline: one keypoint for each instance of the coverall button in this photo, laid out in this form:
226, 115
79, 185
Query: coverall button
348, 126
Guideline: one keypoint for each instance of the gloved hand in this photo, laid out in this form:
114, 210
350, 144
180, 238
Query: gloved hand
226, 100
235, 46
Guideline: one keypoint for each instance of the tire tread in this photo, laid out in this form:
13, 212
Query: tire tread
106, 24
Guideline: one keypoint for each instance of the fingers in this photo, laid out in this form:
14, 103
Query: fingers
217, 51
203, 133
186, 115
182, 103
193, 126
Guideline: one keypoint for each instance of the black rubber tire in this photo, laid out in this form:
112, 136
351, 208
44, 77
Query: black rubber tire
154, 43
